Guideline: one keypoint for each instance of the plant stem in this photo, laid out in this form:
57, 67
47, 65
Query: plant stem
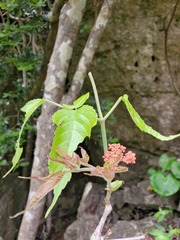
113, 108
97, 233
108, 194
54, 103
101, 118
104, 136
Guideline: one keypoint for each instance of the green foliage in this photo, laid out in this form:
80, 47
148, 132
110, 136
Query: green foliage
115, 186
74, 123
161, 214
160, 232
23, 31
29, 108
21, 44
141, 124
166, 180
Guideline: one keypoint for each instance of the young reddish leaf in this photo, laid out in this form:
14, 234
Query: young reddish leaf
50, 182
44, 189
85, 156
68, 161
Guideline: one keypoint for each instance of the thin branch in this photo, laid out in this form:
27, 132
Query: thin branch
97, 233
131, 238
113, 108
166, 29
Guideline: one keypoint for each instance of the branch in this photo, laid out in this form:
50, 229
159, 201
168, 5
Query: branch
166, 29
70, 18
131, 238
89, 51
97, 233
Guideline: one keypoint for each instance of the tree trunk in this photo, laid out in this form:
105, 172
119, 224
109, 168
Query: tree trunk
70, 18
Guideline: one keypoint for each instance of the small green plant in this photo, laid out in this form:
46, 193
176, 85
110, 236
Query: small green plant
161, 232
165, 181
73, 124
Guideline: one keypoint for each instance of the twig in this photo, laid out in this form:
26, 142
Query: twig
131, 238
166, 29
97, 233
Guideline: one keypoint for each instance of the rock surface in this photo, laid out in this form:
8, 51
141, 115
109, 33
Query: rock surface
131, 59
128, 203
125, 229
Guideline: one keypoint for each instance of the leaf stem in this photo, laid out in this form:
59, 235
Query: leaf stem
101, 118
113, 108
54, 103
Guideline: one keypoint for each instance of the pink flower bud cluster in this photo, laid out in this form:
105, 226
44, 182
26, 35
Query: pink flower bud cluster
116, 154
112, 158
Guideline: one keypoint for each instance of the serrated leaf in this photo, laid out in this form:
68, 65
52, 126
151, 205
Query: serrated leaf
142, 125
73, 126
175, 168
165, 161
50, 182
31, 106
81, 100
28, 108
164, 185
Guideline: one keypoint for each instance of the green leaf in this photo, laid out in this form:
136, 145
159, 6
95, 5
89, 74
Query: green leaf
29, 108
81, 100
161, 214
151, 171
175, 168
165, 161
73, 126
141, 124
156, 232
58, 189
115, 186
3, 163
66, 106
77, 103
174, 232
164, 185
